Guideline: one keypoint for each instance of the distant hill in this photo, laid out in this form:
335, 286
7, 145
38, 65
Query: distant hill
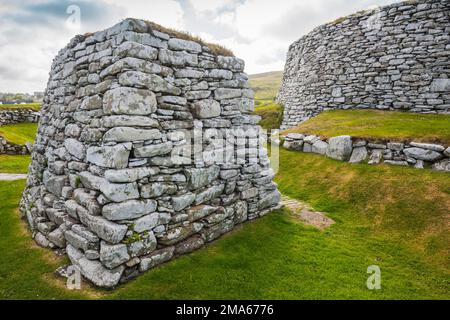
266, 84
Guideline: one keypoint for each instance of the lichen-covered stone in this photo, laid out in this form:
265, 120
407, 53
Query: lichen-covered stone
115, 179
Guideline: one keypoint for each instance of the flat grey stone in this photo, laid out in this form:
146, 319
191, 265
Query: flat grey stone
340, 148
93, 270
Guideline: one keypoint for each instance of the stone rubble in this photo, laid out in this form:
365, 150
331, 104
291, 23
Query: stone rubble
353, 150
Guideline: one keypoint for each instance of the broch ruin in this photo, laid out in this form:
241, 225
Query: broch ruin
395, 57
147, 149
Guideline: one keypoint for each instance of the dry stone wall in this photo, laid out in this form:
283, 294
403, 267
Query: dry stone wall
14, 116
356, 150
129, 168
391, 58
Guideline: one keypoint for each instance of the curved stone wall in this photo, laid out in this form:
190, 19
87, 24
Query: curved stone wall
395, 57
129, 168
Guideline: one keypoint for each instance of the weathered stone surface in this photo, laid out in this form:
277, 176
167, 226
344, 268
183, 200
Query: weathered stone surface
181, 45
428, 146
93, 270
440, 85
128, 121
143, 246
207, 108
422, 154
359, 154
106, 230
109, 157
129, 101
293, 145
393, 77
200, 177
128, 210
114, 176
178, 234
209, 194
113, 256
181, 202
443, 165
198, 212
130, 175
116, 192
152, 82
153, 150
340, 148
231, 63
227, 93
125, 134
147, 222
156, 258
177, 58
269, 200
189, 245
319, 147
75, 148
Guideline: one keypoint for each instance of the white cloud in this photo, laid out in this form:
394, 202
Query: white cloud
259, 31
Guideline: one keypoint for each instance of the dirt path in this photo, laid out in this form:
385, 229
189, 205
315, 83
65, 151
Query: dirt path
306, 214
12, 176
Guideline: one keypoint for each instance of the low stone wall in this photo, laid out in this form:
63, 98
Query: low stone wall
353, 150
18, 116
14, 116
10, 148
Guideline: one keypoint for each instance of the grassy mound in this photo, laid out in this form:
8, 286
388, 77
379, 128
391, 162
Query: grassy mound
271, 114
393, 217
14, 164
19, 133
379, 125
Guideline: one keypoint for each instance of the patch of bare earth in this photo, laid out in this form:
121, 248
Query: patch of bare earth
306, 214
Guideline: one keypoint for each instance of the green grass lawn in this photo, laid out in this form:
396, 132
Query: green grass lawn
271, 114
266, 85
381, 125
393, 217
14, 164
33, 106
19, 133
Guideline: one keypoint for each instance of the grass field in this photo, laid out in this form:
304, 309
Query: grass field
33, 106
393, 217
14, 164
381, 125
266, 87
19, 133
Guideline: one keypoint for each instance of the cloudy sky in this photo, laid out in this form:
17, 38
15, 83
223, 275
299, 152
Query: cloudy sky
259, 31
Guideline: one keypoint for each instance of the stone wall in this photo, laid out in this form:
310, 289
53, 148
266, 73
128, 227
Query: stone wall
128, 169
354, 150
391, 58
7, 147
14, 116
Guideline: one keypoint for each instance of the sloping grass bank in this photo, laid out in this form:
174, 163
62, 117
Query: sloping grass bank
393, 217
19, 133
381, 125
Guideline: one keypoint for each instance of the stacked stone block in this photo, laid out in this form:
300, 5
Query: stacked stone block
356, 150
115, 180
391, 58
